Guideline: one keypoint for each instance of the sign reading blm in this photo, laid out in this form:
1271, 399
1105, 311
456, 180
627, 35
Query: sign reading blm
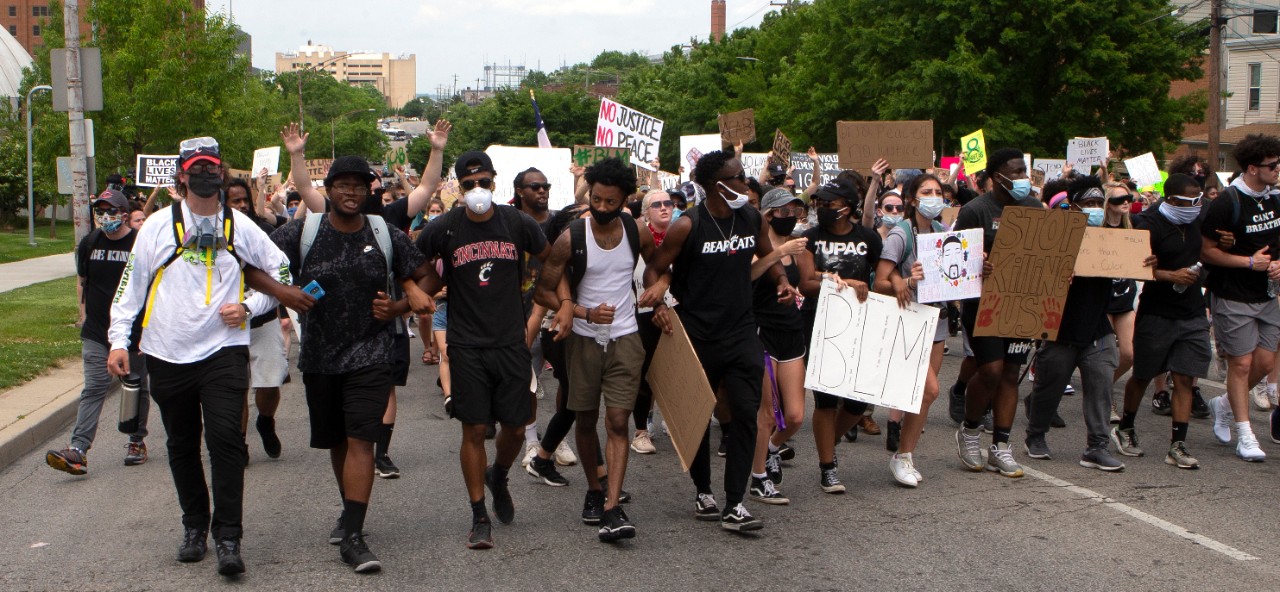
619, 126
905, 144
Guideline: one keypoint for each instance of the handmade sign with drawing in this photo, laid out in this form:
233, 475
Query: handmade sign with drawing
952, 263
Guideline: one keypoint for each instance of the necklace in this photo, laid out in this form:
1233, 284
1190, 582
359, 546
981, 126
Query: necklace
732, 221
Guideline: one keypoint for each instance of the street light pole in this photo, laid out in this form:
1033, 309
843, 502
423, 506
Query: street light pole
31, 203
302, 126
333, 150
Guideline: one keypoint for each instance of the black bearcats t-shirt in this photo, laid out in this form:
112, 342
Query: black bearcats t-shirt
851, 256
100, 261
482, 267
339, 333
712, 275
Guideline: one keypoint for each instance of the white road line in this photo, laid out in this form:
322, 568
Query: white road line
1132, 512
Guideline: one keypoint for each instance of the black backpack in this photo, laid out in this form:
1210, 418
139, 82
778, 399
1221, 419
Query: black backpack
577, 265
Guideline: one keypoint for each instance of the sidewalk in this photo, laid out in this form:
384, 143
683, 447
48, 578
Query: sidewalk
33, 271
33, 412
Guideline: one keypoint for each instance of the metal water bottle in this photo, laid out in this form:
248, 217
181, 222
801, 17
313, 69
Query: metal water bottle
130, 403
1179, 288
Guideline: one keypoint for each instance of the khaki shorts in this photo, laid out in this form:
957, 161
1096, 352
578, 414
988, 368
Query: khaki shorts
612, 371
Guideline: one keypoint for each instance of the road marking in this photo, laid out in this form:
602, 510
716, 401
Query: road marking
1132, 512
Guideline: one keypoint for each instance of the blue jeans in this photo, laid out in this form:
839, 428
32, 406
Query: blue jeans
97, 385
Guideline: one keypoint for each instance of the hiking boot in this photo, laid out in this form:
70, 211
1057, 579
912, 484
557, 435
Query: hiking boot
229, 561
69, 460
194, 544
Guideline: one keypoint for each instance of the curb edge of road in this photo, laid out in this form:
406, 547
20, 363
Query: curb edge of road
23, 436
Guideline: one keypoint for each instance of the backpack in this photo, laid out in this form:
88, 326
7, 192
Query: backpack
179, 234
311, 227
577, 265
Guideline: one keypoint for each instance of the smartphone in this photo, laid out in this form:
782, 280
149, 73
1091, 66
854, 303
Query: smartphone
314, 290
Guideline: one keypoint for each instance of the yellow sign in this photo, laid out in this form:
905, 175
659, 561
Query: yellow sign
973, 152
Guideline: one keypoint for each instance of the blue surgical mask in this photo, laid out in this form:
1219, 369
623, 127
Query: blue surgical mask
291, 211
1021, 188
931, 207
1096, 215
675, 215
1179, 215
890, 220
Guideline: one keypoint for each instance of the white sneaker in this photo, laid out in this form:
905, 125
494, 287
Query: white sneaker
564, 456
530, 451
1259, 396
1247, 448
1222, 418
641, 443
903, 470
1273, 396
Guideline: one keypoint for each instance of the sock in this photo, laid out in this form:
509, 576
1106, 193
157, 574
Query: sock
353, 516
1243, 427
384, 442
500, 473
477, 509
1126, 421
760, 475
772, 448
972, 425
960, 387
531, 433
1001, 435
1179, 432
827, 466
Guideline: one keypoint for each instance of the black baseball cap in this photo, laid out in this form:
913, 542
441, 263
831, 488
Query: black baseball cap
775, 171
472, 162
349, 165
113, 198
835, 190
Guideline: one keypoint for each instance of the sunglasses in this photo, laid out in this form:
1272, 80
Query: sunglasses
741, 176
537, 186
1269, 165
892, 208
110, 211
485, 183
666, 203
201, 168
1191, 201
1120, 199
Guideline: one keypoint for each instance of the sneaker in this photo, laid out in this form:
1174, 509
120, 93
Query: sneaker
1222, 418
1069, 391
1036, 447
1000, 460
1247, 448
194, 544
1275, 425
723, 450
894, 435
851, 435
903, 470
738, 519
69, 460
530, 453
705, 508
642, 444
870, 426
1258, 394
593, 507
615, 526
1101, 459
229, 561
267, 430
1198, 408
624, 496
763, 491
481, 536
773, 466
830, 481
1178, 457
339, 532
956, 405
384, 468
786, 452
545, 469
1160, 403
1115, 417
969, 447
1057, 422
1126, 441
503, 507
135, 453
989, 423
564, 457
356, 553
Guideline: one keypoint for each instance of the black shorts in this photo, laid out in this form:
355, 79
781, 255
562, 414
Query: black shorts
991, 349
782, 345
823, 400
400, 359
491, 384
349, 405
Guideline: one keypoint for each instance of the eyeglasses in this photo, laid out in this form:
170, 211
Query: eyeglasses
484, 183
201, 168
1120, 199
666, 203
537, 186
892, 207
352, 189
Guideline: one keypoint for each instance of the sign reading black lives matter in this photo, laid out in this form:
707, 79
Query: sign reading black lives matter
155, 170
619, 126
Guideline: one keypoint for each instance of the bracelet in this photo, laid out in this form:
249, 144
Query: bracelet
247, 313
1251, 263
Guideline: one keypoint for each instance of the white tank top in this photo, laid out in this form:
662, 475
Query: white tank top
608, 281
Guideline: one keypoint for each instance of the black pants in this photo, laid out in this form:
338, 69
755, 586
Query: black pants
649, 336
562, 420
736, 363
207, 396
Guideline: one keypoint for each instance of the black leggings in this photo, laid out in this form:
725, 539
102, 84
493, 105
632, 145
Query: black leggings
562, 421
649, 335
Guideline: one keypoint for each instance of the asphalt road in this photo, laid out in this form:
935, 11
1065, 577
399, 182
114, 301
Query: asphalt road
1063, 527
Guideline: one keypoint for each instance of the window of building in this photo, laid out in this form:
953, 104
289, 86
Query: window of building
1255, 87
13, 10
39, 11
35, 30
1264, 21
13, 30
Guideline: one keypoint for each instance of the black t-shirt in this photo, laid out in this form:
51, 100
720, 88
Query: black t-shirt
100, 262
770, 314
483, 269
339, 333
711, 278
1256, 226
1084, 318
851, 256
1175, 247
397, 215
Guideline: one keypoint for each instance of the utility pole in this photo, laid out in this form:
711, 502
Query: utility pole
1215, 81
75, 117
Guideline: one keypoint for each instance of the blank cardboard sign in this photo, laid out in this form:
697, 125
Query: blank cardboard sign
681, 390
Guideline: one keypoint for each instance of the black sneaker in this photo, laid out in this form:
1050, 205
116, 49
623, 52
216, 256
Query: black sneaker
545, 469
503, 507
624, 496
229, 561
1274, 428
956, 405
356, 553
615, 526
593, 507
851, 435
1199, 409
773, 466
338, 533
1057, 422
763, 491
384, 468
723, 450
830, 481
194, 545
1160, 403
894, 434
481, 536
705, 508
786, 452
270, 441
738, 519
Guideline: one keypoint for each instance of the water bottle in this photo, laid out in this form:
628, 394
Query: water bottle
1196, 270
130, 402
602, 336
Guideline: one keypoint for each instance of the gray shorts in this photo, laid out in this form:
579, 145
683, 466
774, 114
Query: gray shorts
1242, 327
1176, 345
268, 362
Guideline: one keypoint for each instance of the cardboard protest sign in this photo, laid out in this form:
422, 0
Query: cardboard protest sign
450, 193
755, 164
584, 156
973, 152
1037, 177
874, 351
553, 162
739, 126
1083, 153
317, 168
648, 178
829, 167
273, 181
905, 144
620, 126
668, 180
781, 148
681, 390
1143, 169
397, 156
156, 170
692, 148
1114, 253
949, 216
952, 264
266, 158
1032, 260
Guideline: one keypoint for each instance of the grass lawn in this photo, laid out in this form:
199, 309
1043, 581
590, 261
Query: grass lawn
14, 247
37, 329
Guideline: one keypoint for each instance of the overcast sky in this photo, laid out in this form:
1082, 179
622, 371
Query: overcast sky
451, 37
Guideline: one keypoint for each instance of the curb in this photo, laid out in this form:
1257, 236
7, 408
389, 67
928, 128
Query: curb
34, 428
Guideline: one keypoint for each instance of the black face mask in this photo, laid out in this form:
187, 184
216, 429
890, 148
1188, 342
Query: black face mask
604, 218
204, 184
828, 217
783, 226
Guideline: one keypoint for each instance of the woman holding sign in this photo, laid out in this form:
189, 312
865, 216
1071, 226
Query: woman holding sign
1123, 291
898, 274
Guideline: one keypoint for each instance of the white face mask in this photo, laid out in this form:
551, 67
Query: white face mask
739, 200
931, 207
478, 200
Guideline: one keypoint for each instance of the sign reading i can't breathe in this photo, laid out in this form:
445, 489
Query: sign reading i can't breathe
620, 126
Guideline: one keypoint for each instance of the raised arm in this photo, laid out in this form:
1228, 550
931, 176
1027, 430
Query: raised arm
816, 180
869, 202
296, 144
421, 195
150, 206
